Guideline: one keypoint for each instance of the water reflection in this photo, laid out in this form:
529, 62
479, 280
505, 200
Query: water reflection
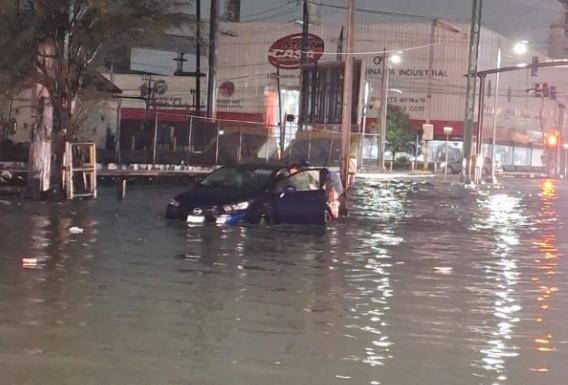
545, 279
369, 281
505, 216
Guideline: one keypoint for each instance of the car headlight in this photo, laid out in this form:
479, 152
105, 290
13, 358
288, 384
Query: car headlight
236, 207
174, 203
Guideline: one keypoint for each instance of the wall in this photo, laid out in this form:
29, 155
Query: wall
243, 62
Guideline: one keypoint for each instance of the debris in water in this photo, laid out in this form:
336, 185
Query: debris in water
33, 263
76, 230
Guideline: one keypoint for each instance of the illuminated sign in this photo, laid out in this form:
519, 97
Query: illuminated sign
287, 52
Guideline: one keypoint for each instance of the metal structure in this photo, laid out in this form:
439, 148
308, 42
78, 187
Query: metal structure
347, 96
385, 80
212, 78
80, 161
474, 39
495, 116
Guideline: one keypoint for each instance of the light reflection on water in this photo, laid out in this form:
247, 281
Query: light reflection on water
425, 283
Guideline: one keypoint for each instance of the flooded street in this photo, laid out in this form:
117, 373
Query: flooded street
424, 284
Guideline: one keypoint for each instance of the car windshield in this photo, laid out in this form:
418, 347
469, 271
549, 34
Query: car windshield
242, 179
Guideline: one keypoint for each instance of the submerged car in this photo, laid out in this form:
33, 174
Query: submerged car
261, 194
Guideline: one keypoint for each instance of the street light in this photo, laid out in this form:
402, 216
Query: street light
520, 48
448, 131
396, 58
388, 61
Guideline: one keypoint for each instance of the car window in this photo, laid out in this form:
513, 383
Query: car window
308, 180
333, 182
232, 177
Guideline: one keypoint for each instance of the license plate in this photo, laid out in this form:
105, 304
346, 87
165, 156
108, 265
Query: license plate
195, 219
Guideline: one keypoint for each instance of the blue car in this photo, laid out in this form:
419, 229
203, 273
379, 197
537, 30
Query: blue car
261, 194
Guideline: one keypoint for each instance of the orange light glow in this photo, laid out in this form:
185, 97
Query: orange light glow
552, 141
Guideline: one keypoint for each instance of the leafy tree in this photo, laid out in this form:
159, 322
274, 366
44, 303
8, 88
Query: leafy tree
50, 46
400, 134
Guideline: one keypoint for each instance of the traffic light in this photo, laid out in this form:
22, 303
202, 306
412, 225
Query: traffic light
538, 90
534, 70
545, 90
553, 93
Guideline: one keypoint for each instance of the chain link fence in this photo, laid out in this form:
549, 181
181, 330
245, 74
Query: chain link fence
195, 140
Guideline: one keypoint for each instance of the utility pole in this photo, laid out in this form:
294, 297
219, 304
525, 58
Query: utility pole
198, 56
212, 80
347, 96
305, 32
471, 85
479, 142
495, 115
384, 109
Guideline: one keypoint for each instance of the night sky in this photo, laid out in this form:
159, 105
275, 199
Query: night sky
518, 19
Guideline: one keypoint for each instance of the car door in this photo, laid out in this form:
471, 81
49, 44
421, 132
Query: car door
300, 198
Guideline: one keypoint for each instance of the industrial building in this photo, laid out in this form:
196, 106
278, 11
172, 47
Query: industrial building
253, 57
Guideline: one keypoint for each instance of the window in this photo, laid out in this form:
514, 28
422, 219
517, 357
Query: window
308, 180
229, 177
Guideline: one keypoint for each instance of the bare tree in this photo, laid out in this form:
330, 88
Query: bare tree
50, 46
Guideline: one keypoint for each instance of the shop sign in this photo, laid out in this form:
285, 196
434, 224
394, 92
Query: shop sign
286, 52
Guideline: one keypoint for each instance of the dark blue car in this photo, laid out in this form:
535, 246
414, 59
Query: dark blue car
261, 194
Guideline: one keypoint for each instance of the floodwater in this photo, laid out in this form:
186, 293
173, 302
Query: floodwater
426, 283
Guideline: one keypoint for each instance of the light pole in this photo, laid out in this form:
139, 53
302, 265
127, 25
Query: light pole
441, 24
347, 96
519, 48
388, 61
495, 113
448, 131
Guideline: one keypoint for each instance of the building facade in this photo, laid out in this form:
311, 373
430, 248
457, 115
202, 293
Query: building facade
256, 58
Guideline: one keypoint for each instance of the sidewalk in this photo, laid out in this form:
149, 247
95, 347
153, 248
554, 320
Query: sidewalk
374, 173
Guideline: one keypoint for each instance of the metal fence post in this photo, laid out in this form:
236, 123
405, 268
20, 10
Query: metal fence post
217, 145
118, 133
267, 146
309, 145
189, 138
240, 149
155, 142
329, 156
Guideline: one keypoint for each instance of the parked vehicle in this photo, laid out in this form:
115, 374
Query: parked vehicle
261, 194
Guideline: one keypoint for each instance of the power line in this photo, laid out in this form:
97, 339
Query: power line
375, 12
274, 16
266, 11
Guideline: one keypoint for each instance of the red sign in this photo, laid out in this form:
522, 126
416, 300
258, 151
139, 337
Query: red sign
227, 89
286, 52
